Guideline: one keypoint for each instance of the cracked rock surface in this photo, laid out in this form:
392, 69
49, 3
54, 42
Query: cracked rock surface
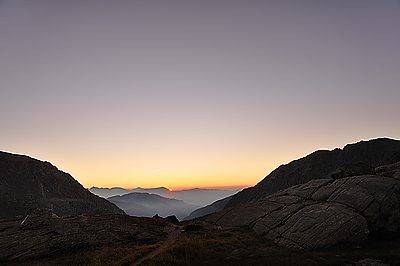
325, 212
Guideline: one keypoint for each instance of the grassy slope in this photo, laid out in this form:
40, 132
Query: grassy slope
238, 246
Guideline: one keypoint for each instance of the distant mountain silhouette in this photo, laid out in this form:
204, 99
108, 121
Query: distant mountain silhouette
27, 183
118, 191
321, 164
196, 196
202, 197
145, 204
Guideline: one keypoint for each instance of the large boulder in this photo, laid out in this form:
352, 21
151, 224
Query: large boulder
324, 212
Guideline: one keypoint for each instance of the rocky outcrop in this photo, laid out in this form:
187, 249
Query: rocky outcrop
325, 212
321, 165
353, 170
41, 233
27, 183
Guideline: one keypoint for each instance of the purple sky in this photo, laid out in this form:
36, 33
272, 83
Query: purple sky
194, 93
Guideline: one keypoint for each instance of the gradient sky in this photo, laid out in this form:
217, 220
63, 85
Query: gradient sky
194, 93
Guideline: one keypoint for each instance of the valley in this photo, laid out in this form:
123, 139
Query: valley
350, 215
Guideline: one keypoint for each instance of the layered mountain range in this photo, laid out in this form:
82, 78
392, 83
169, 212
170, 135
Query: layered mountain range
195, 196
148, 205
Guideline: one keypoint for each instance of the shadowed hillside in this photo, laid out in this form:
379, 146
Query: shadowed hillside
211, 208
27, 183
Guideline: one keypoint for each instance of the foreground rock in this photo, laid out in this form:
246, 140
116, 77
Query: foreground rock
367, 262
325, 212
42, 233
27, 183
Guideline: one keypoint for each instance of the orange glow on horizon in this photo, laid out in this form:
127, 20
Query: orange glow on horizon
170, 189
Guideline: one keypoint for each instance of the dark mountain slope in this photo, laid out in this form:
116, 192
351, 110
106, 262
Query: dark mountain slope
211, 208
320, 164
27, 183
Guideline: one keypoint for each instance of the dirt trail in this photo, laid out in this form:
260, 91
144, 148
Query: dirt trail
173, 234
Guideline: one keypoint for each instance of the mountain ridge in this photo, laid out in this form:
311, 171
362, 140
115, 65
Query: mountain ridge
28, 183
319, 165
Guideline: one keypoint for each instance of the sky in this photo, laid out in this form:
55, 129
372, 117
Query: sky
187, 94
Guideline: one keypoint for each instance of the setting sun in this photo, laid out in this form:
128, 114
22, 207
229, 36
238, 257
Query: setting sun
199, 132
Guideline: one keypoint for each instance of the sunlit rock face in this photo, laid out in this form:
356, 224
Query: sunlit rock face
27, 183
325, 212
323, 164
